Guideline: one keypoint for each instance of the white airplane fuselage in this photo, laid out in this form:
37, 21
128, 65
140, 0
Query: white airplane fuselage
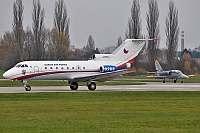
58, 70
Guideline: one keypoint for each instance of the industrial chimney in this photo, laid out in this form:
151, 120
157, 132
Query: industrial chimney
182, 40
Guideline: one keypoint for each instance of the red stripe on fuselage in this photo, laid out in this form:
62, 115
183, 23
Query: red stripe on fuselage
48, 73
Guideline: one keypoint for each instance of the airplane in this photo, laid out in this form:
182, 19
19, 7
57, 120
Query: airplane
171, 74
101, 67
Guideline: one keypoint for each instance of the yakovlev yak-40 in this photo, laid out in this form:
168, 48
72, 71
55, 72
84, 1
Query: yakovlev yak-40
101, 67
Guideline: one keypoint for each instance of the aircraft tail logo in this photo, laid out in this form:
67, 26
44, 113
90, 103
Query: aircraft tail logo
126, 51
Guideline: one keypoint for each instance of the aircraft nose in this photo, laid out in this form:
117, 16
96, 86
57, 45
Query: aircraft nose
7, 74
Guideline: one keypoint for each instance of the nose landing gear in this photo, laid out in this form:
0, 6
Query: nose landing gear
27, 87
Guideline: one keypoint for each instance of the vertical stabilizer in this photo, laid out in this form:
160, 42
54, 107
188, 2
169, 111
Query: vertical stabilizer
158, 67
129, 50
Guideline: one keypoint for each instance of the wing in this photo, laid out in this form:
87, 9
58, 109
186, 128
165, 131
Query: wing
158, 77
101, 77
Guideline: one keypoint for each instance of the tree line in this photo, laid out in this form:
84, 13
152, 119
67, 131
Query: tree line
38, 42
153, 52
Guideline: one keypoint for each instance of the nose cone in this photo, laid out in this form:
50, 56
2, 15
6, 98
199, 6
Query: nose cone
183, 76
5, 75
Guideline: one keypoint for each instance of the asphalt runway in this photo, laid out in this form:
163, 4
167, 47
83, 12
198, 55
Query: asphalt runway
147, 87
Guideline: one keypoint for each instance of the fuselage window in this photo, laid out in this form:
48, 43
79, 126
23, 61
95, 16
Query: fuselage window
51, 68
62, 68
67, 67
72, 67
45, 68
56, 67
26, 65
83, 67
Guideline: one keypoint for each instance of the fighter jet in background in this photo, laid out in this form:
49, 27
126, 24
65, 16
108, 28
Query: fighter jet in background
170, 74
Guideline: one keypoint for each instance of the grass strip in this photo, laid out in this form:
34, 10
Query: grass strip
100, 112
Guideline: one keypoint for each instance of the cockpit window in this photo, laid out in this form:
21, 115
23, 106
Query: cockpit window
21, 65
18, 65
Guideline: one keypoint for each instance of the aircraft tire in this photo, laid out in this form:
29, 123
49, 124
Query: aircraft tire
174, 81
163, 81
92, 86
28, 88
74, 86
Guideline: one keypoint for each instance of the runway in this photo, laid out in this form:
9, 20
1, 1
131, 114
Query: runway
147, 87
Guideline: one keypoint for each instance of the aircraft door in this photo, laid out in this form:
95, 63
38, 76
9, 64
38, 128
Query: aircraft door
36, 70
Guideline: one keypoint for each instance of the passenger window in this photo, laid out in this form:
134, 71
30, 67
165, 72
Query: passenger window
51, 68
72, 67
83, 67
62, 68
67, 67
45, 68
56, 67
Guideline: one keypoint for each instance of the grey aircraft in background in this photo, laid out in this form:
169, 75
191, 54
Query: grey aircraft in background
170, 74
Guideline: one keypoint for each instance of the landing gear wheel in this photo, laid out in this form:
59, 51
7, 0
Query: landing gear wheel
163, 81
92, 86
181, 81
74, 86
27, 88
174, 81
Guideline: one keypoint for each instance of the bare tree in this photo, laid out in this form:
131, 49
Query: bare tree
119, 42
89, 48
172, 32
90, 44
38, 27
61, 20
10, 50
61, 44
133, 30
153, 31
28, 44
18, 9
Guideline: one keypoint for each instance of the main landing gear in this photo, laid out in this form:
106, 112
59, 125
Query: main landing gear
175, 81
90, 85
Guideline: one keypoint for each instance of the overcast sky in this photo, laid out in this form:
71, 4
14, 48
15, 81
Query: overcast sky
106, 20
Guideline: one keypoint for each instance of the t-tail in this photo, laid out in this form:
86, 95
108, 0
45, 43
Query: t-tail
129, 50
158, 67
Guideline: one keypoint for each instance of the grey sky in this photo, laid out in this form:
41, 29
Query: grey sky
106, 20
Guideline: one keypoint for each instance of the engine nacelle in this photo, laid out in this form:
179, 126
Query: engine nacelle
107, 68
128, 65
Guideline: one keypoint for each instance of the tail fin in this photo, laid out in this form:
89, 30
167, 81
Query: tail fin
158, 67
129, 50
